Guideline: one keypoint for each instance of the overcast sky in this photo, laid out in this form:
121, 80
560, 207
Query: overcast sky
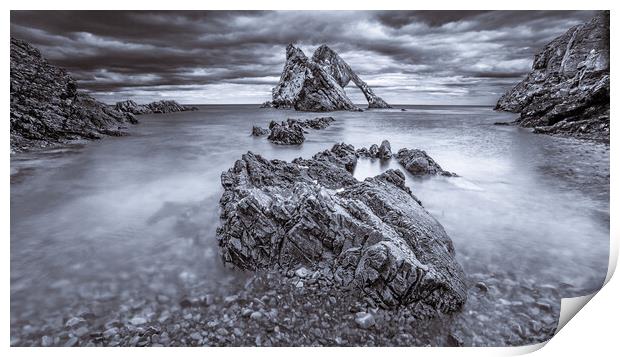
417, 57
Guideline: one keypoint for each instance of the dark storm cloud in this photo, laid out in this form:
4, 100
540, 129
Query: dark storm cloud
238, 55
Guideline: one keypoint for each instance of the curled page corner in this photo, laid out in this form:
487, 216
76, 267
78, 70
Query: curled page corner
569, 307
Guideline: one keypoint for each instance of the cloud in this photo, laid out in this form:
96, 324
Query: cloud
237, 56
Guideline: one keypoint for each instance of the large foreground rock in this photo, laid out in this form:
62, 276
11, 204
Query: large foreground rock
372, 236
158, 107
317, 84
567, 92
48, 109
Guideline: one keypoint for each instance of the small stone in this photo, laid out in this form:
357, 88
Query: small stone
238, 332
302, 272
185, 303
364, 320
256, 315
245, 312
81, 331
482, 287
222, 331
71, 342
74, 322
110, 332
544, 306
46, 341
138, 321
196, 336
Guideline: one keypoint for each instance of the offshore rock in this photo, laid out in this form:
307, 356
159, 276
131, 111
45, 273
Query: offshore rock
284, 134
567, 91
373, 235
258, 131
162, 106
316, 123
418, 163
320, 92
47, 108
317, 84
342, 72
383, 152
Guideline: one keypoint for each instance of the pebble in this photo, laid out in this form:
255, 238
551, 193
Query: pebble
256, 315
364, 320
482, 287
46, 341
302, 272
81, 331
71, 342
300, 284
110, 332
138, 321
196, 336
74, 322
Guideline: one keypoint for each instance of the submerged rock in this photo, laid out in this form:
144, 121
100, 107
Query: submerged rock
373, 235
162, 106
567, 91
418, 163
317, 84
48, 109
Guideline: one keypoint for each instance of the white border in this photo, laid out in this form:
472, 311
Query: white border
593, 330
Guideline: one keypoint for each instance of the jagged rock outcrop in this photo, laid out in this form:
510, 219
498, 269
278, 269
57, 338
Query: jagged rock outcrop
317, 84
316, 123
371, 236
258, 131
158, 107
290, 132
342, 72
418, 163
383, 151
567, 92
48, 109
286, 134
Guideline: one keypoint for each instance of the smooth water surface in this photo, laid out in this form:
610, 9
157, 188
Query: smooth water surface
130, 216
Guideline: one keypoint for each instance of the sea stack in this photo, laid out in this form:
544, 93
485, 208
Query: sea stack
317, 84
567, 91
48, 109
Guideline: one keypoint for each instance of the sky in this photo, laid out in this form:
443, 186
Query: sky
236, 57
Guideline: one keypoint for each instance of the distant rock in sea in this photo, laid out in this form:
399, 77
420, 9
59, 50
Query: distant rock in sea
371, 236
291, 131
47, 108
567, 91
317, 84
162, 106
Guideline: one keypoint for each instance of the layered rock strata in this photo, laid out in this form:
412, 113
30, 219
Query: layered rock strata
372, 236
567, 91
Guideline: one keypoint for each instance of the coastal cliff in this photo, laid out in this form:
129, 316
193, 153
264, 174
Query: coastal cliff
317, 84
48, 109
567, 91
159, 107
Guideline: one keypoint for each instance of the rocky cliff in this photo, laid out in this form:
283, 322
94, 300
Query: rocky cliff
317, 84
48, 109
567, 91
162, 106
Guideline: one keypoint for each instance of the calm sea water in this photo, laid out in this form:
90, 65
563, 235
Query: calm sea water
136, 215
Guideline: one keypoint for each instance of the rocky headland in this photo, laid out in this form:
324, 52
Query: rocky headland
48, 109
158, 107
317, 84
372, 237
567, 91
